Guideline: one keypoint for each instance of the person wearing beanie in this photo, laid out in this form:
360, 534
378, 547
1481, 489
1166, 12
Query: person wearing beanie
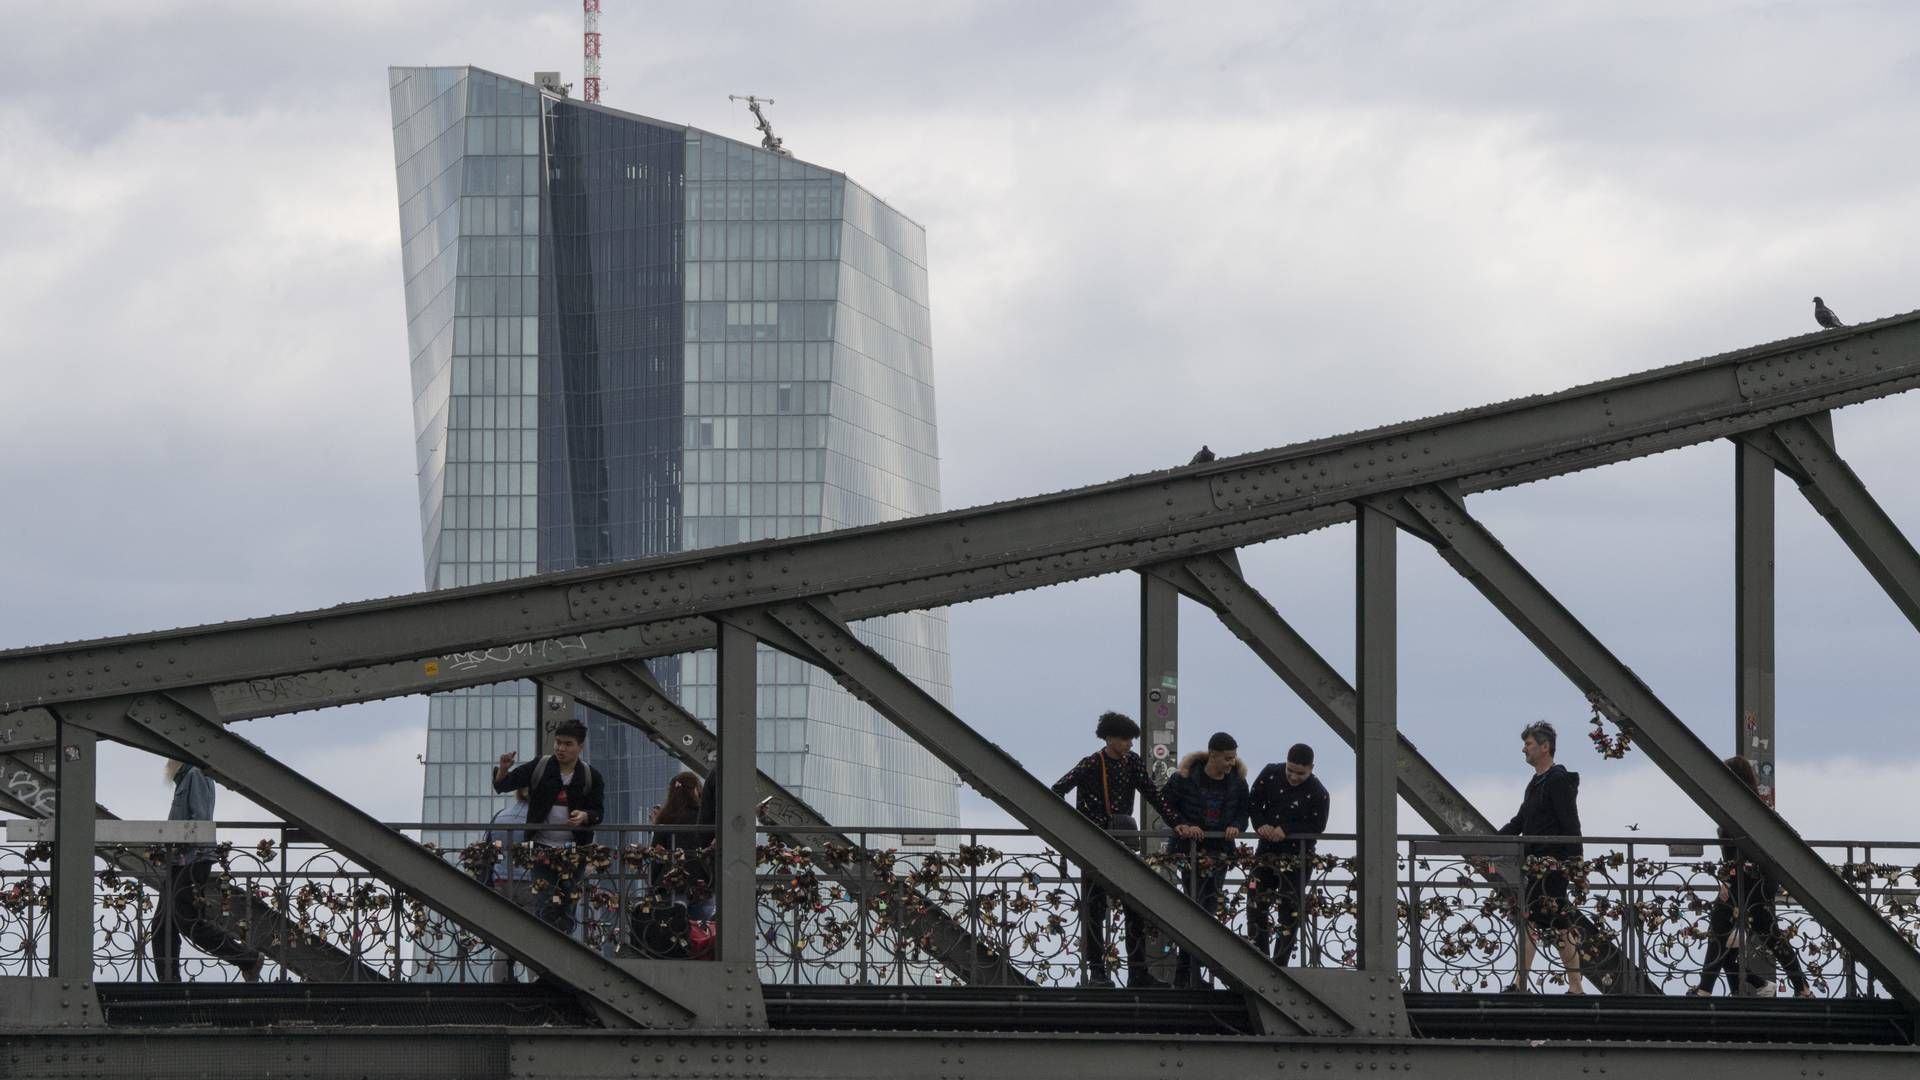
1209, 795
1288, 801
1104, 783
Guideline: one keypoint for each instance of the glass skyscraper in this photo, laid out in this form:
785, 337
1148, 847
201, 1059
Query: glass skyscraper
628, 338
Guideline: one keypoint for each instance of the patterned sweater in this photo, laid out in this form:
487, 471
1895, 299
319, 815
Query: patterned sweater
1124, 777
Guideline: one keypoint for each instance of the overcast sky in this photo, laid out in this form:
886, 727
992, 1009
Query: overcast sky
1149, 226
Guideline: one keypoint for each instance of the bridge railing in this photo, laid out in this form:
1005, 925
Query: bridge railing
857, 914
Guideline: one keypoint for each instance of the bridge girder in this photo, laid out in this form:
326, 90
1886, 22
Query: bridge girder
800, 594
482, 1054
965, 554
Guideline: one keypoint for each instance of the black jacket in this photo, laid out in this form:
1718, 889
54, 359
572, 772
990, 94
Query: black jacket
1549, 809
581, 795
1199, 799
1300, 810
1123, 778
1755, 884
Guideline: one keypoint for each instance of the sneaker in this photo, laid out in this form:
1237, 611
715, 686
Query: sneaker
1098, 980
1144, 980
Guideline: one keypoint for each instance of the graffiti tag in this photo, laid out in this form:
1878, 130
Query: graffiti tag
31, 790
511, 654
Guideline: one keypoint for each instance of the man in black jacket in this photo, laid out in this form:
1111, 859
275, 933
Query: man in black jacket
1208, 795
567, 796
1288, 801
1550, 808
1104, 783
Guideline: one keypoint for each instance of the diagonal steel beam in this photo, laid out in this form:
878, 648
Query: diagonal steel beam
817, 635
1215, 581
621, 995
1804, 450
243, 917
1041, 540
629, 693
1480, 558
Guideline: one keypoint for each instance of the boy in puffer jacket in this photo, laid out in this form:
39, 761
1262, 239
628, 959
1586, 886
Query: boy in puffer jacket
1208, 795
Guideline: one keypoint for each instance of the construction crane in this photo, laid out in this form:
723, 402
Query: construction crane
768, 140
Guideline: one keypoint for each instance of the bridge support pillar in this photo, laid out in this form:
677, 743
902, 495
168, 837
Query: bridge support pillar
1159, 688
28, 1001
1753, 608
1376, 678
73, 834
735, 819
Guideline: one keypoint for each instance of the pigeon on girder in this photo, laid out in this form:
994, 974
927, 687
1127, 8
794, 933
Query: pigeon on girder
1824, 315
1202, 457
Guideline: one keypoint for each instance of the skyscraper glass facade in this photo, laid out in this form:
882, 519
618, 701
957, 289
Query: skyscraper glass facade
632, 338
467, 154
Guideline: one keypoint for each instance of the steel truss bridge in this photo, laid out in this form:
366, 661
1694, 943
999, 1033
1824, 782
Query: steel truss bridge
583, 637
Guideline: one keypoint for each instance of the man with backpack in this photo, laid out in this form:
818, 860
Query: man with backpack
566, 796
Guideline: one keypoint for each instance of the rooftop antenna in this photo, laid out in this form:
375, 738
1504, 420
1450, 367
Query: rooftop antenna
768, 140
590, 50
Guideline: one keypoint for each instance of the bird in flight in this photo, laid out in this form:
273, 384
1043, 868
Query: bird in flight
1202, 457
1824, 315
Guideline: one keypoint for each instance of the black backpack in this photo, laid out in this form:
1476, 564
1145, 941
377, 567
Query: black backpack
545, 762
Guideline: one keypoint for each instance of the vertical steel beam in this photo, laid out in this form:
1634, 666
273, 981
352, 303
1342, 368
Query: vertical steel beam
73, 832
1753, 607
1666, 739
815, 633
1376, 678
1159, 688
734, 820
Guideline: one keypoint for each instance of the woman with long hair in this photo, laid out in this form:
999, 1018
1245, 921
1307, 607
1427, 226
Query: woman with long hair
1746, 904
682, 804
682, 874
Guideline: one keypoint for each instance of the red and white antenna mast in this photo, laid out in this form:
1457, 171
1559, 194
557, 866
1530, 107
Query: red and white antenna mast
590, 49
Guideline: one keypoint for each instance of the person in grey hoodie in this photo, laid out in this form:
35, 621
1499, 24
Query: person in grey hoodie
188, 872
1549, 808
